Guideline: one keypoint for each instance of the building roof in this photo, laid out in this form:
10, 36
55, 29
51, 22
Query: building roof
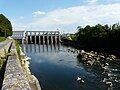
18, 30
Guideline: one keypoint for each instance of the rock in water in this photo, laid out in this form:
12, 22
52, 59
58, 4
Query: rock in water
80, 80
108, 83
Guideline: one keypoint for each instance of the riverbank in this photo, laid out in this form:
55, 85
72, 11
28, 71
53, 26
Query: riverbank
33, 81
91, 57
87, 48
93, 61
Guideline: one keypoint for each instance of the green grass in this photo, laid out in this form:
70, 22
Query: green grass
3, 59
18, 51
2, 39
2, 67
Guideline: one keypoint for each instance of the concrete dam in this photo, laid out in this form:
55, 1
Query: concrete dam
37, 37
43, 37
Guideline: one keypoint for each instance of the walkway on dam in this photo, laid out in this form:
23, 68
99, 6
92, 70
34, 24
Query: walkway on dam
4, 43
4, 47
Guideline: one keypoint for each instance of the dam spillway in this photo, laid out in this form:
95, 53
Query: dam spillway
42, 37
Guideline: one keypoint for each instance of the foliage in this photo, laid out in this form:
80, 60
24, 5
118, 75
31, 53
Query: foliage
3, 59
2, 39
2, 66
18, 50
73, 36
5, 26
99, 36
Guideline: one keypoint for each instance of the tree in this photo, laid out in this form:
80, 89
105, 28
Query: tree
100, 37
5, 26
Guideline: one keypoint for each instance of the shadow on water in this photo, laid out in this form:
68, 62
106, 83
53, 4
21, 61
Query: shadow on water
58, 69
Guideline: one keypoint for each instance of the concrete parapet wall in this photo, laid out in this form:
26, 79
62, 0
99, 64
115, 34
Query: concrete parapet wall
14, 77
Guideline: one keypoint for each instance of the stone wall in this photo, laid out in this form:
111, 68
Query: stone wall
14, 78
19, 77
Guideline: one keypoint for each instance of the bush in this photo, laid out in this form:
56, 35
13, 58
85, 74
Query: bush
2, 39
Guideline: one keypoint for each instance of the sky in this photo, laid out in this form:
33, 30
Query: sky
62, 15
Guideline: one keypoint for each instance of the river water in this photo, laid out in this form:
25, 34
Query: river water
58, 69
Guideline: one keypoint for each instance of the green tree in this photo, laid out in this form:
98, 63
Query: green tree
5, 26
100, 37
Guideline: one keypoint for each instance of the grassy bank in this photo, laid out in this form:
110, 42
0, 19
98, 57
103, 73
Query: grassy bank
2, 39
3, 61
18, 51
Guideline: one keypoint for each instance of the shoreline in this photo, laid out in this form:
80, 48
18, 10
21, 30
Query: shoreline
76, 45
92, 57
33, 81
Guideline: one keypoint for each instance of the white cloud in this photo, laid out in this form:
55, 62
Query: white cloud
18, 25
37, 13
68, 19
21, 17
91, 1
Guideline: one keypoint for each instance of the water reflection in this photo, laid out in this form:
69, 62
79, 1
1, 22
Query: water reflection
58, 69
37, 48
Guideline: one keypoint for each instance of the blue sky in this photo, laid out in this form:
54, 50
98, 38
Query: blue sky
64, 15
26, 7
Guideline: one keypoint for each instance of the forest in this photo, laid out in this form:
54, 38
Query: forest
99, 37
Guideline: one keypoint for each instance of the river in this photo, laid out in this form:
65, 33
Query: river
58, 69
